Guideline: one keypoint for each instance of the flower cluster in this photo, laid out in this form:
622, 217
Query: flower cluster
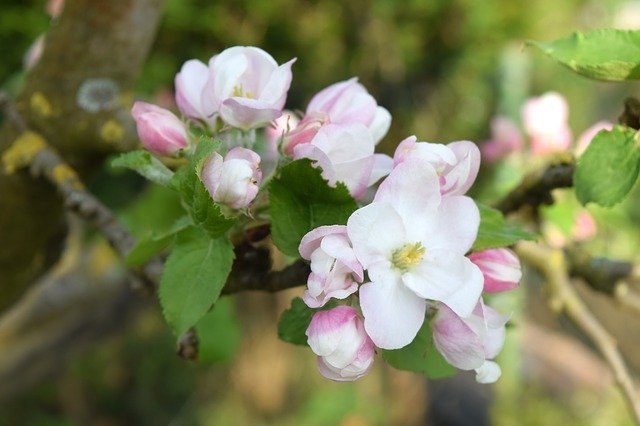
402, 258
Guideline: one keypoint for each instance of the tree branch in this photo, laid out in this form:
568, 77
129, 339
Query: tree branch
77, 97
552, 264
535, 188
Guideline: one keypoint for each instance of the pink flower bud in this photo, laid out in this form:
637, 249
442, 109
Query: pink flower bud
160, 131
233, 181
545, 121
333, 265
469, 343
500, 268
585, 226
345, 351
505, 139
246, 87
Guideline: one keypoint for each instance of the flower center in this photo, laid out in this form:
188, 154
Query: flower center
408, 256
239, 92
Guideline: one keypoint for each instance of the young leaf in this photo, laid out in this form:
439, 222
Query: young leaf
420, 356
218, 333
301, 200
146, 165
193, 277
153, 244
495, 232
294, 321
607, 170
604, 54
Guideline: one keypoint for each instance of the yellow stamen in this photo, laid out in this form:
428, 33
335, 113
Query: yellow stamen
408, 256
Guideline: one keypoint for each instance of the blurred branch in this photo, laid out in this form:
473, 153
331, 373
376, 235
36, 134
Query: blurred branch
535, 188
77, 97
564, 299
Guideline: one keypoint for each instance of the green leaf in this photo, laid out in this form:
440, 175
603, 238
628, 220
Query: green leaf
420, 356
146, 165
301, 200
608, 169
203, 210
495, 232
218, 333
193, 277
604, 54
154, 243
294, 321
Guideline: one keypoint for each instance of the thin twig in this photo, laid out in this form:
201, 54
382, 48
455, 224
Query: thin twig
552, 264
535, 188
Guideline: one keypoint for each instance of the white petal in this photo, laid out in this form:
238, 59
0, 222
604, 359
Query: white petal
393, 314
380, 124
456, 226
449, 278
456, 341
375, 231
489, 372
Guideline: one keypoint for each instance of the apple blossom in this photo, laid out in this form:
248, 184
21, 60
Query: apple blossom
246, 87
333, 265
545, 121
233, 181
345, 154
346, 102
413, 241
160, 131
505, 139
500, 268
470, 343
456, 164
344, 350
190, 82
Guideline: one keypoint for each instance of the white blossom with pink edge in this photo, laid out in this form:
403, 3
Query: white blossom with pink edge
337, 336
190, 82
235, 180
456, 164
412, 241
500, 267
345, 154
346, 102
335, 270
470, 343
160, 131
505, 139
545, 120
246, 87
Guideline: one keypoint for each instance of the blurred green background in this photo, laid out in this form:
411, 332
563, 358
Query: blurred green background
444, 69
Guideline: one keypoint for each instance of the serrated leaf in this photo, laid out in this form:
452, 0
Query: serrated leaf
154, 243
218, 333
495, 232
204, 212
604, 54
301, 200
193, 277
294, 321
146, 165
420, 356
609, 168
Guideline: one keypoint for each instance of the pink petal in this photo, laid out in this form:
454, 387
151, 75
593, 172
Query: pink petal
190, 83
246, 114
456, 341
